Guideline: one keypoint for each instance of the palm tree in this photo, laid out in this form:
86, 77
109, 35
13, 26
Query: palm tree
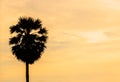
28, 42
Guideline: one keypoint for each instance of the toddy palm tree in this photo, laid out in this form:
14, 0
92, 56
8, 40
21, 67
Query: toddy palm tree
28, 42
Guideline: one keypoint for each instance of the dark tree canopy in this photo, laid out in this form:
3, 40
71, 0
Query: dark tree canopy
28, 42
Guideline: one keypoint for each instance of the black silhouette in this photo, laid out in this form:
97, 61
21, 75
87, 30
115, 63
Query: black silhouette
28, 42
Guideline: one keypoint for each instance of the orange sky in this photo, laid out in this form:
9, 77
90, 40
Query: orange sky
83, 44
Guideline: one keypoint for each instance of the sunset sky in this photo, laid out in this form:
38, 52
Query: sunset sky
83, 43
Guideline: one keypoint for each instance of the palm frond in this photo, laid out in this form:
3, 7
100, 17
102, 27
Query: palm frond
22, 23
29, 42
15, 40
33, 36
42, 31
15, 28
37, 24
43, 38
15, 49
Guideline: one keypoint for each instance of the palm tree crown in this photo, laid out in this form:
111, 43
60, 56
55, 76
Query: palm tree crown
29, 40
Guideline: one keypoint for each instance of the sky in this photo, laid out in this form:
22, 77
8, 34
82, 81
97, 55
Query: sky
83, 43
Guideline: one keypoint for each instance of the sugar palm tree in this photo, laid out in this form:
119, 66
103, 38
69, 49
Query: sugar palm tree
28, 42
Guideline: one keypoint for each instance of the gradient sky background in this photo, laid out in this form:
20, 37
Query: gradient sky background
83, 44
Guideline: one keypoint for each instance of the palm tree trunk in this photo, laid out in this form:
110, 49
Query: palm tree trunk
27, 72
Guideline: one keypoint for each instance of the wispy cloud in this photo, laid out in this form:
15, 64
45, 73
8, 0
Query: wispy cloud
94, 36
111, 4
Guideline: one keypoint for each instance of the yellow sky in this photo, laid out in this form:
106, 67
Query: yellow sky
83, 44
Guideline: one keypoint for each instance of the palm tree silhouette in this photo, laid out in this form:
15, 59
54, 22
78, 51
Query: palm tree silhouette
28, 42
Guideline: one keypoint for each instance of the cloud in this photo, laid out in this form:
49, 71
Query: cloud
100, 35
94, 36
111, 4
113, 34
